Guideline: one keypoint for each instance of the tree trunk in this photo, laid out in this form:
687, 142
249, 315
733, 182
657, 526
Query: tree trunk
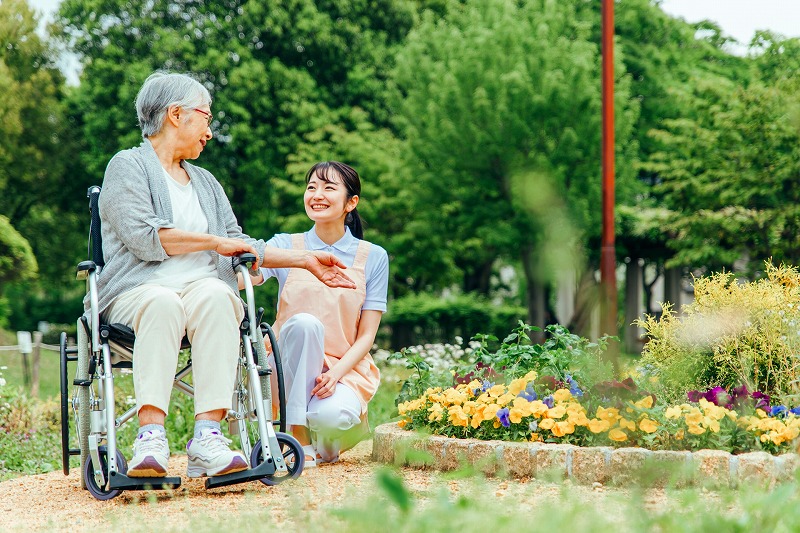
535, 294
477, 278
633, 305
587, 298
672, 287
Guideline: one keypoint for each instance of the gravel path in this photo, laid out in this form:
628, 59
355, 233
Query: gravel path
53, 502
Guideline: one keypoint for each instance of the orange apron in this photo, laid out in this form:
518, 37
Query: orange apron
339, 310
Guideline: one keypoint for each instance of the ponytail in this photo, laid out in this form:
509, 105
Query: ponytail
353, 221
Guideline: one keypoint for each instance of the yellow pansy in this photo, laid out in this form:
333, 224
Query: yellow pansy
470, 407
673, 412
436, 411
611, 414
497, 390
562, 395
563, 428
694, 417
455, 397
522, 405
617, 435
530, 376
539, 408
457, 416
556, 412
516, 386
490, 410
515, 415
402, 423
547, 423
679, 434
695, 429
645, 403
647, 425
598, 426
504, 399
624, 423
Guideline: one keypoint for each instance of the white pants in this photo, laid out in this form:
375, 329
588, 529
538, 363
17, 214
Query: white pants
208, 312
302, 349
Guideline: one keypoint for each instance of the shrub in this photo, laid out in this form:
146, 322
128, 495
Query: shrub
732, 334
435, 319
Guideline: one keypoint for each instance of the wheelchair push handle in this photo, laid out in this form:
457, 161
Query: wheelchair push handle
243, 259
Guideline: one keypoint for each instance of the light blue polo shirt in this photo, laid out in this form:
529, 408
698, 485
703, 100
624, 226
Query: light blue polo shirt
376, 270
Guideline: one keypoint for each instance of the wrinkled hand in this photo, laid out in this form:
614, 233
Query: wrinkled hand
229, 247
326, 385
328, 269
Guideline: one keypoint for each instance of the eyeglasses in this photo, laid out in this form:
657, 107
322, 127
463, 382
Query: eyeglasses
209, 116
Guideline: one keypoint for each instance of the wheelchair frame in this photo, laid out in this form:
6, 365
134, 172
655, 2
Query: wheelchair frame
103, 467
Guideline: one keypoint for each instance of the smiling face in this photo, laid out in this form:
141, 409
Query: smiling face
193, 130
326, 200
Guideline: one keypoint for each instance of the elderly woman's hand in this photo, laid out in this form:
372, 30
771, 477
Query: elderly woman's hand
327, 267
229, 247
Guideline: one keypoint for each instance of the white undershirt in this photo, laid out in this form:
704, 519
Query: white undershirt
178, 271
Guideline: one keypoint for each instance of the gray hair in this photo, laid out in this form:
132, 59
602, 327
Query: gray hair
160, 91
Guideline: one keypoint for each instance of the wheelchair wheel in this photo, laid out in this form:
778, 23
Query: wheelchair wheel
293, 455
62, 346
88, 475
82, 398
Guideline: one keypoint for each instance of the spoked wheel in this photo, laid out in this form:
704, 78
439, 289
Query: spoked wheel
88, 474
293, 455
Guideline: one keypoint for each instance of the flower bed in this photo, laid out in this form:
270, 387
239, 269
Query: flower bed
514, 412
583, 465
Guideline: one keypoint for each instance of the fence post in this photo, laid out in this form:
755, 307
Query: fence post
36, 357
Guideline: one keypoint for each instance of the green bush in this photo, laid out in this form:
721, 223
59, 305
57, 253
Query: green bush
418, 318
30, 434
734, 333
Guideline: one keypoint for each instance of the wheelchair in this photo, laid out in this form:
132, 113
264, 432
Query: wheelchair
101, 348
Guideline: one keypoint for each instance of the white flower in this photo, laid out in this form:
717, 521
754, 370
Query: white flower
2, 382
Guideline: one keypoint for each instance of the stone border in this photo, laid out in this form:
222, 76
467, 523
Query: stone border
604, 465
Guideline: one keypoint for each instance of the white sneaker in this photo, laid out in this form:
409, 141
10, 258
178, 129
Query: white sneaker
210, 455
150, 455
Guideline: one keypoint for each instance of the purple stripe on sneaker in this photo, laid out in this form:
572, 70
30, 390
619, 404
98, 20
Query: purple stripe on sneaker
237, 464
149, 464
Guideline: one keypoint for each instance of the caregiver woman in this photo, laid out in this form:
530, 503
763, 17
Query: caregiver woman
325, 333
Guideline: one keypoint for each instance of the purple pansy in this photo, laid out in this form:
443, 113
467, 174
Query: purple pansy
502, 414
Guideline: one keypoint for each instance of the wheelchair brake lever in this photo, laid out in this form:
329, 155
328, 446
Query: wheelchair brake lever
242, 259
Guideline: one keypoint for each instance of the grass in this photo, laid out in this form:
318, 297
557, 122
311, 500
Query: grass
12, 370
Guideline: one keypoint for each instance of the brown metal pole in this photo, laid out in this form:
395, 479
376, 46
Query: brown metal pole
608, 265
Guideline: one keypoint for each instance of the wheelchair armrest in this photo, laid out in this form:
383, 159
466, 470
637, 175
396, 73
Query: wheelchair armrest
242, 259
84, 267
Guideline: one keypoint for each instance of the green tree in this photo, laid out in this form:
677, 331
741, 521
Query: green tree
501, 109
278, 71
35, 201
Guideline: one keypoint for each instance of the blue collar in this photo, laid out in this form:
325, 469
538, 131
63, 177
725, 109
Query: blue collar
343, 244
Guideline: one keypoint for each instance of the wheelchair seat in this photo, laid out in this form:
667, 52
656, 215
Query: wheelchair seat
125, 337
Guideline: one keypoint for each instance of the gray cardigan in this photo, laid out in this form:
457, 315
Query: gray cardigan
134, 204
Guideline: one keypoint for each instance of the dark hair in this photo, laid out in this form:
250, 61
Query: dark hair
325, 171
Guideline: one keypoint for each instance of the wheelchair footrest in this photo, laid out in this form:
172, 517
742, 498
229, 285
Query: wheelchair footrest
254, 474
123, 482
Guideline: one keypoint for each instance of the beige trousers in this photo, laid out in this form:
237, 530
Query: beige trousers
208, 312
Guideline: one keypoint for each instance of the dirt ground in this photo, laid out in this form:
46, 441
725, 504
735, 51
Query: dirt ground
54, 502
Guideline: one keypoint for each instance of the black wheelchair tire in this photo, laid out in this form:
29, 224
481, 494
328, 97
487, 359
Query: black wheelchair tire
88, 474
293, 455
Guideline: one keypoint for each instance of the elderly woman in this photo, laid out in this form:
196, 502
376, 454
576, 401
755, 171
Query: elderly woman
168, 230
